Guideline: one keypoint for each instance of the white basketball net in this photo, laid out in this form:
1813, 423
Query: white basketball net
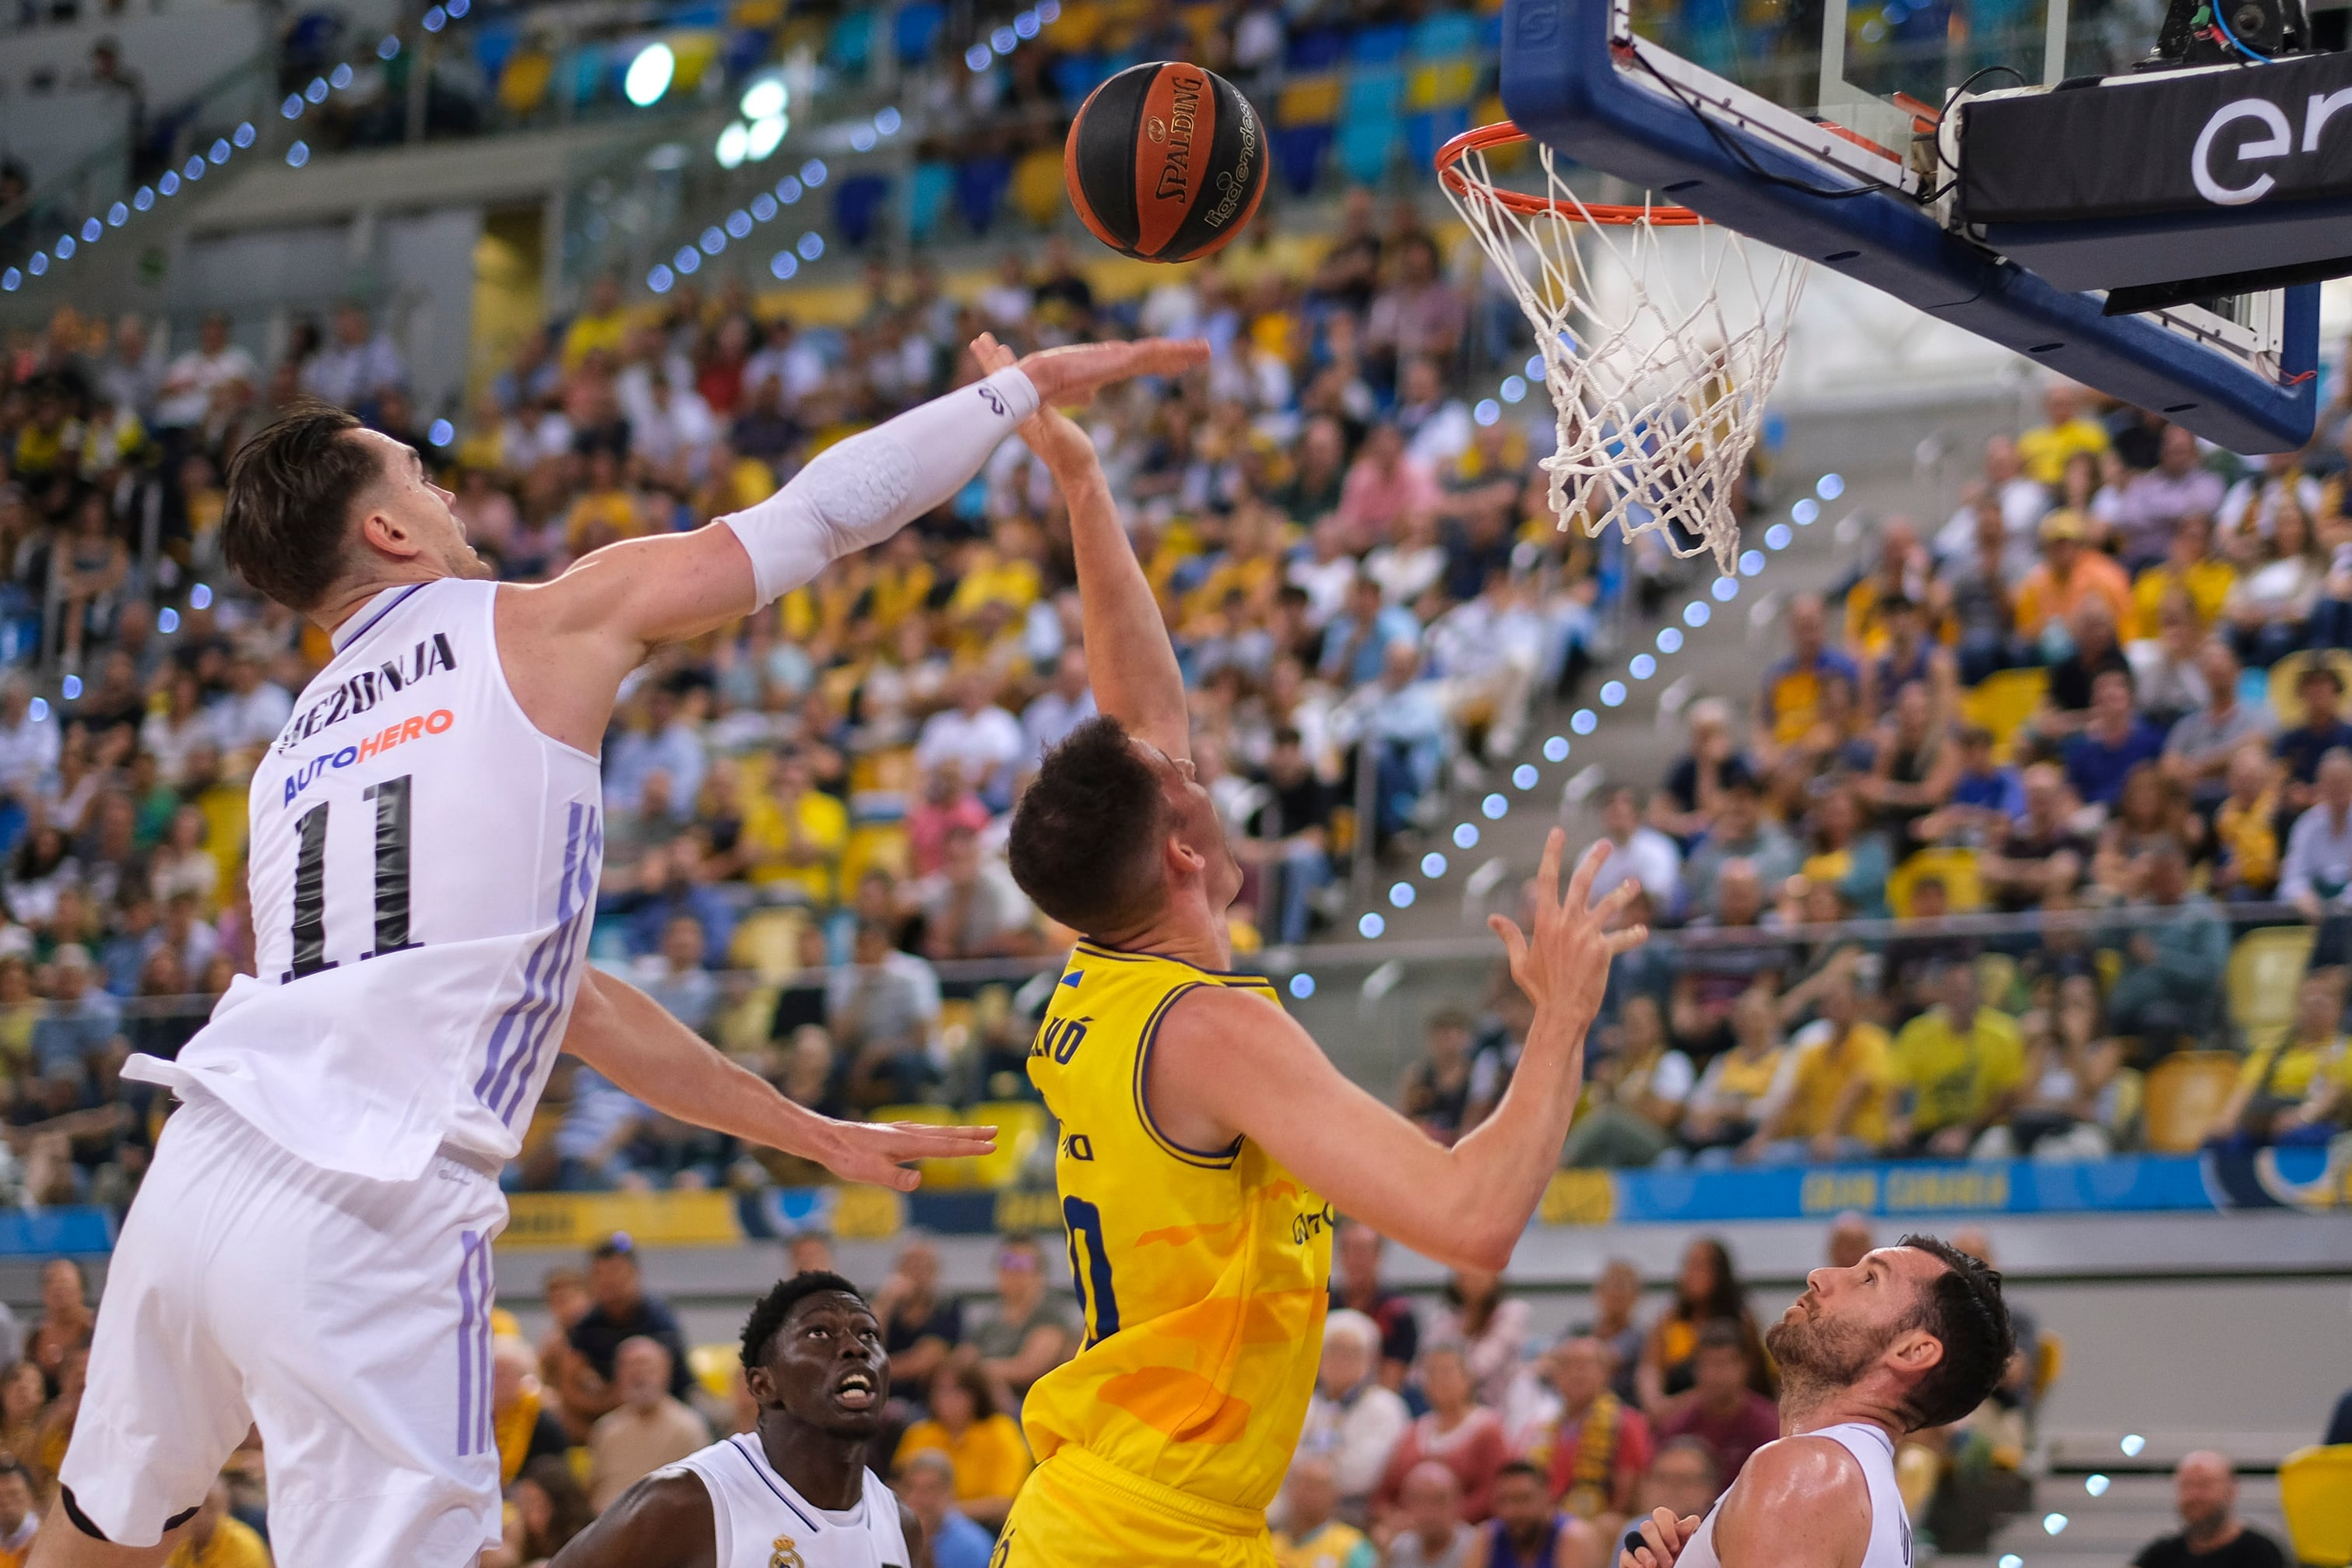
1660, 389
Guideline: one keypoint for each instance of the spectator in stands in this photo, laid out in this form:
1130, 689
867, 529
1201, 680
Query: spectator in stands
2317, 869
2247, 843
2174, 956
1351, 1419
648, 1429
1591, 1447
1435, 1093
1356, 1285
2069, 573
982, 740
880, 1010
523, 1425
674, 976
2198, 749
1403, 718
1027, 1331
2113, 741
1696, 780
203, 381
2037, 850
2045, 450
920, 1324
2189, 568
2291, 1090
1640, 1085
925, 1481
2072, 1106
1489, 1325
1529, 1530
1636, 851
2156, 499
1357, 641
2271, 604
1725, 1107
1683, 1478
1290, 839
217, 1538
1616, 1293
1722, 1408
982, 1443
357, 366
602, 1122
1313, 1534
1790, 701
1428, 1531
20, 1514
1742, 832
1958, 1067
2205, 1493
620, 1308
2320, 691
1829, 1102
971, 907
1456, 1431
549, 1508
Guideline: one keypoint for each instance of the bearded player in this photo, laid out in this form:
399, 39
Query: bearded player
1913, 1336
311, 1252
1206, 1140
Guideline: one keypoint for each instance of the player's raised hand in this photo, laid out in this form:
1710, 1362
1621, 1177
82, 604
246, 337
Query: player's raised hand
1660, 1539
871, 1152
1071, 373
1051, 434
1564, 962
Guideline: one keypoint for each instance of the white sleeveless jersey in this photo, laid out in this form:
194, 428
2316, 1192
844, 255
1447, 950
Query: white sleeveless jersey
762, 1522
1890, 1526
424, 865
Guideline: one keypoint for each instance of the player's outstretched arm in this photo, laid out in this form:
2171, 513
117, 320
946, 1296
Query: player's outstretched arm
663, 1521
1226, 1059
1131, 662
632, 1039
567, 644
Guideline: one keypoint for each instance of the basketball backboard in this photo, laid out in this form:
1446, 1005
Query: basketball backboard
1813, 126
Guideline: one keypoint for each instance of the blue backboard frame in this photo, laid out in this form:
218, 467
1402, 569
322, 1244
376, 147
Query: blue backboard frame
1564, 84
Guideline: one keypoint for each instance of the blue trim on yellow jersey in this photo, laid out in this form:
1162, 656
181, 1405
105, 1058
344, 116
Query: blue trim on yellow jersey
1206, 1159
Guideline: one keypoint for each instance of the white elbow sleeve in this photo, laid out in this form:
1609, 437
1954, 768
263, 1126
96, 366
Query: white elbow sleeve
862, 490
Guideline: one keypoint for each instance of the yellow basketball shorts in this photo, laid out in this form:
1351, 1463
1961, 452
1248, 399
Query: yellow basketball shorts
1079, 1511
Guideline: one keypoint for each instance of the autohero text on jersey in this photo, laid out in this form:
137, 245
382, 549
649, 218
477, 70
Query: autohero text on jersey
367, 689
398, 734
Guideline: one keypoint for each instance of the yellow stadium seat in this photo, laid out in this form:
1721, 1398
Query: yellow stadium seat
1309, 101
2266, 967
1020, 1126
892, 768
2049, 1364
2315, 1495
2109, 963
1996, 979
1037, 192
882, 844
2183, 1095
1957, 868
743, 1027
522, 86
2002, 701
714, 1367
1440, 84
2286, 675
693, 50
768, 942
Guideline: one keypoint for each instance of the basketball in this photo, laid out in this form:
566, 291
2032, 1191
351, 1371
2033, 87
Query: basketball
1165, 162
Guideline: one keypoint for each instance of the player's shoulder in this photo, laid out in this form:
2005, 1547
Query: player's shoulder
1805, 1471
663, 1521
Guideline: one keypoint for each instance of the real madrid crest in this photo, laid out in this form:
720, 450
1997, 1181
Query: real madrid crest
785, 1555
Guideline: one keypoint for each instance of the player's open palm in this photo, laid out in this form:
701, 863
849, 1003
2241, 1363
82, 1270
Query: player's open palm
1053, 435
1071, 373
1564, 962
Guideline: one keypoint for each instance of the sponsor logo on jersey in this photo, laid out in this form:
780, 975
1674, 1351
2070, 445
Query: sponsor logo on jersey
415, 727
367, 689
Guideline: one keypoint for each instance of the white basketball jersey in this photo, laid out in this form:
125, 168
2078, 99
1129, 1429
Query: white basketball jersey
1890, 1526
424, 865
763, 1524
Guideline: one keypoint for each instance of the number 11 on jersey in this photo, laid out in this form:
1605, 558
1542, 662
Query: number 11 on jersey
392, 821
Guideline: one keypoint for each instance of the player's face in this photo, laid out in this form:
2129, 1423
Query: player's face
1848, 1317
407, 495
826, 1367
1198, 826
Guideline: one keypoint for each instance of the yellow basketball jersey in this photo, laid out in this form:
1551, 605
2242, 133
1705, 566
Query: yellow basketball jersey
1203, 1274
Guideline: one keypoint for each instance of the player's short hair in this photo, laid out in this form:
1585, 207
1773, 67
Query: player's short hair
1962, 1308
768, 1314
287, 520
1085, 837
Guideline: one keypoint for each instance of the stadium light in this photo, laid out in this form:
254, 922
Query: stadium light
649, 75
764, 98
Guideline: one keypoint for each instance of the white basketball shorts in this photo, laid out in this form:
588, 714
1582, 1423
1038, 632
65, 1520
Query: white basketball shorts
349, 1319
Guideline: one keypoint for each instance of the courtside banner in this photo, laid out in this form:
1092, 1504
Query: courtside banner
2178, 141
581, 1220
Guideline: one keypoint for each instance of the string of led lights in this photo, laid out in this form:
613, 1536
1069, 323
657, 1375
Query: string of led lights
76, 239
1645, 666
757, 135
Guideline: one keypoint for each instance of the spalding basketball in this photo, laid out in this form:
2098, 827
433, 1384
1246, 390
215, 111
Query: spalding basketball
1165, 162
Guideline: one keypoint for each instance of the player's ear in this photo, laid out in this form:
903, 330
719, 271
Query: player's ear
762, 1386
387, 535
1916, 1351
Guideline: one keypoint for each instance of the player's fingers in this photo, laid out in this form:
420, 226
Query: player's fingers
917, 1141
1167, 357
1625, 941
1515, 941
1615, 900
1547, 872
990, 354
1580, 881
959, 1133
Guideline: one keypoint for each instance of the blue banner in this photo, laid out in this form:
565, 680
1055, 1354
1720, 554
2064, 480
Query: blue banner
45, 1233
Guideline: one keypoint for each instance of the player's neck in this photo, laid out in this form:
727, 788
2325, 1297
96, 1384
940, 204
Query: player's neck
828, 1470
348, 599
1805, 1409
1184, 930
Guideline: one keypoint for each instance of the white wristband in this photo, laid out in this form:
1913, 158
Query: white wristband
862, 490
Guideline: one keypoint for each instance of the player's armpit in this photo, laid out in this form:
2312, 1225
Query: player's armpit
663, 1521
1226, 1061
1800, 1502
